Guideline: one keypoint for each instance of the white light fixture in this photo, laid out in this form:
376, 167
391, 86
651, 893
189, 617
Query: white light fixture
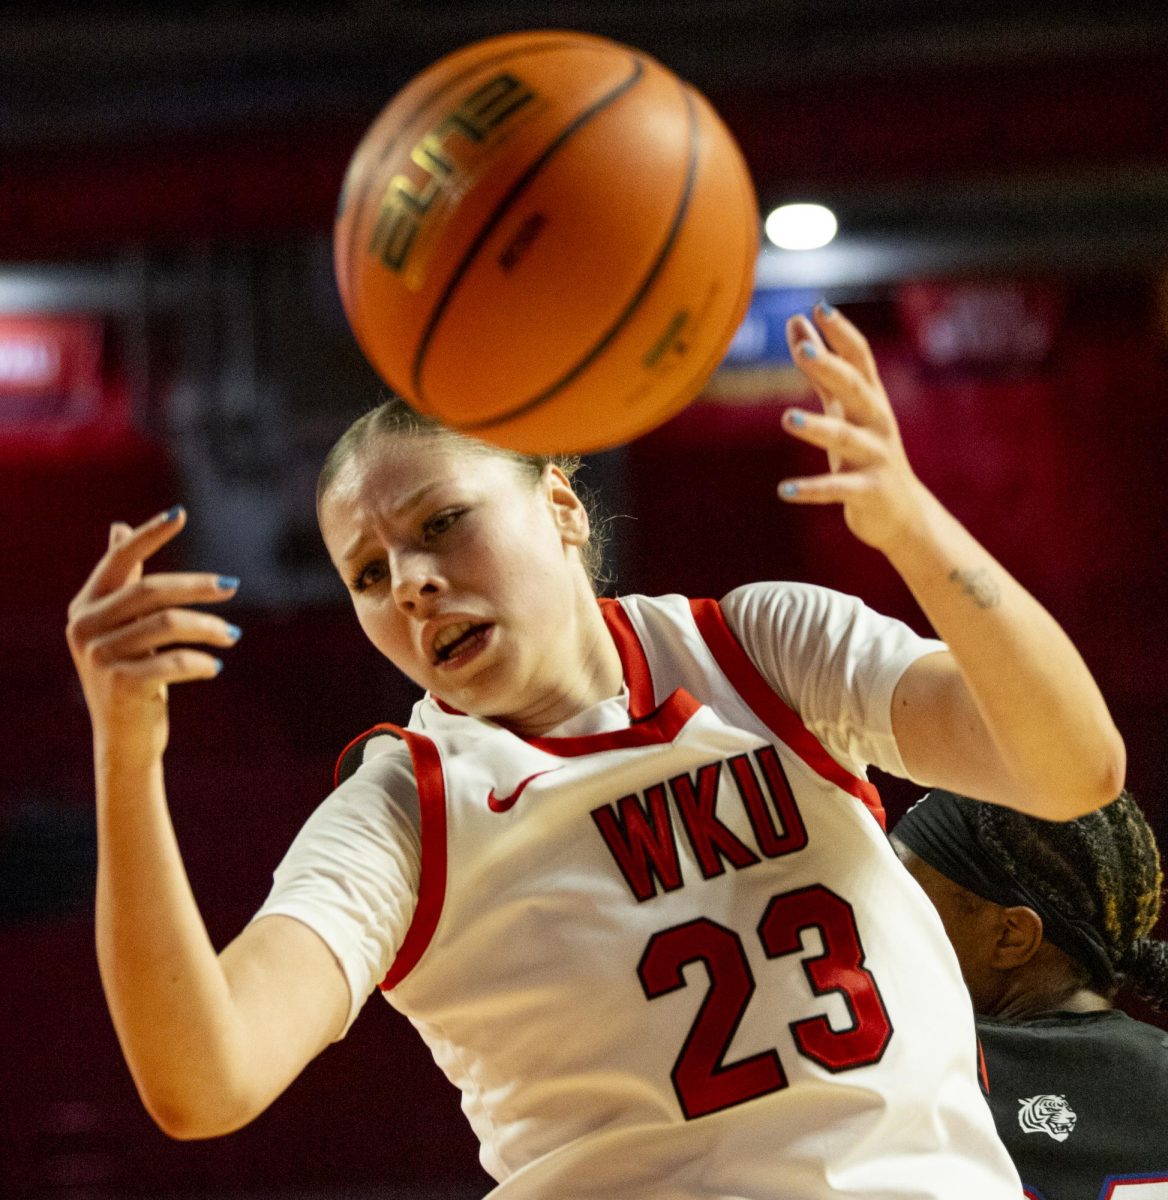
801, 226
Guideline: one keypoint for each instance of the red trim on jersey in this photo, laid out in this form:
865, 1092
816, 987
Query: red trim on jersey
982, 1071
361, 737
660, 726
432, 885
642, 699
782, 720
650, 723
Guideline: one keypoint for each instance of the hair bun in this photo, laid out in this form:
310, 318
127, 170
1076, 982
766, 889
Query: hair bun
1146, 967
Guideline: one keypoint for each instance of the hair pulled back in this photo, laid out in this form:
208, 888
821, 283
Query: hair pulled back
393, 417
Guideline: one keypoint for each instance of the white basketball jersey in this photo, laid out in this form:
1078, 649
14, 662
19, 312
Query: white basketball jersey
680, 959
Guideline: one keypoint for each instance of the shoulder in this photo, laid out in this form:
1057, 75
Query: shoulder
375, 797
1108, 1036
776, 603
769, 602
380, 751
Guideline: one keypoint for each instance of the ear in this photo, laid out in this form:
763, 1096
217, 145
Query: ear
568, 511
1019, 936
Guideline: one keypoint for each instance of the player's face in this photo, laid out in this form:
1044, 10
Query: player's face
464, 571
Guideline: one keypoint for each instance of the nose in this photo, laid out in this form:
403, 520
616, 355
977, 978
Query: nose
416, 580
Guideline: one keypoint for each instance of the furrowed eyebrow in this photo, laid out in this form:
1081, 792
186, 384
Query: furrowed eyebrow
415, 497
411, 501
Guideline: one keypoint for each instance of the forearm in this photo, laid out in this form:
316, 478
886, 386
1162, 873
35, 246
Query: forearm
1059, 751
210, 1038
167, 992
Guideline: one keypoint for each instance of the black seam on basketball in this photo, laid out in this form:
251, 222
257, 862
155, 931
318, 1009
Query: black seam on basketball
738, 313
634, 303
357, 201
497, 215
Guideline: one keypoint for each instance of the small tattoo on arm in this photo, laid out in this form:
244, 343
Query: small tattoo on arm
979, 585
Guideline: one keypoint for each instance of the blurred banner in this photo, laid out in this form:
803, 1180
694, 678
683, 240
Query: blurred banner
758, 366
762, 337
1003, 325
50, 372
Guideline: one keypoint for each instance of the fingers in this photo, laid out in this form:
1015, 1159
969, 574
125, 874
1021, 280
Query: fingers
159, 630
132, 628
127, 551
144, 617
869, 474
148, 650
836, 488
847, 445
152, 593
846, 340
179, 665
835, 358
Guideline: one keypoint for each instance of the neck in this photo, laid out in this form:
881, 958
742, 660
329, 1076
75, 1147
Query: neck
1022, 1000
589, 672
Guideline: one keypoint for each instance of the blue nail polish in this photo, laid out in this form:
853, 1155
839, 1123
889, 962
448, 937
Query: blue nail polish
218, 665
227, 583
234, 632
172, 514
798, 418
808, 350
825, 309
789, 489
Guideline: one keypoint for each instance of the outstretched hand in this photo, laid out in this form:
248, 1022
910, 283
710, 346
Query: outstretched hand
868, 473
132, 634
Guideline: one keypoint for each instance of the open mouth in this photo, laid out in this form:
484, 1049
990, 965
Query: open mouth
457, 641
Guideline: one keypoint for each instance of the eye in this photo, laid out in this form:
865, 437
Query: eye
366, 576
441, 523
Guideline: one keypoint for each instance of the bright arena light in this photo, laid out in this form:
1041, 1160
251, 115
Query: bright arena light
801, 226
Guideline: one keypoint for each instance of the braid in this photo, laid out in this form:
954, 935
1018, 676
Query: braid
1103, 868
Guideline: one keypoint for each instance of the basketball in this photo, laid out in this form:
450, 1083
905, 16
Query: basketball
546, 240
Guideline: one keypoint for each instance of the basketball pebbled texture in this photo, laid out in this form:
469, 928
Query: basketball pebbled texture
547, 240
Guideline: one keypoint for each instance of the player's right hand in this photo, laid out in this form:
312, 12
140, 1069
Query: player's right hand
132, 634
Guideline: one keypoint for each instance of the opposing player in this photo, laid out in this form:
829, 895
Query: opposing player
622, 869
1048, 922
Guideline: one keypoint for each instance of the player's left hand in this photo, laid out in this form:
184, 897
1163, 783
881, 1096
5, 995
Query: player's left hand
869, 473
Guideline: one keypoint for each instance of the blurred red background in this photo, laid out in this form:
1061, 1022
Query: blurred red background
1054, 459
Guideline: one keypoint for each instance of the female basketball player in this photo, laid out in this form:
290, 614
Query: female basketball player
1048, 922
622, 869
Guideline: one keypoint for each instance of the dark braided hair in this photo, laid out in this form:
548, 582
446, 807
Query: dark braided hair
1103, 868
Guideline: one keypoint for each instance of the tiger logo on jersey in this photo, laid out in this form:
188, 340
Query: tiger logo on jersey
1047, 1114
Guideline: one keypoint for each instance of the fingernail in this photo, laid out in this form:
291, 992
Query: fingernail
796, 417
218, 665
788, 489
172, 514
227, 583
825, 309
808, 350
234, 632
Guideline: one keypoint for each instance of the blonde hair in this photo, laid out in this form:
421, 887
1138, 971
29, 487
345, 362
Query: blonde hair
393, 417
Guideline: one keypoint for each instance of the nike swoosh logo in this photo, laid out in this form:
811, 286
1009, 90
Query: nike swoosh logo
501, 804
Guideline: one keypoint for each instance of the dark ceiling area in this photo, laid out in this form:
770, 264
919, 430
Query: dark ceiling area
1035, 124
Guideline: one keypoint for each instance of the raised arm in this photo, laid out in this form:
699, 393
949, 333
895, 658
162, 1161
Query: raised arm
210, 1039
1011, 714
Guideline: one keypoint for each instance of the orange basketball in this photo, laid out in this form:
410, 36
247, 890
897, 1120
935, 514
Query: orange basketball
547, 240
